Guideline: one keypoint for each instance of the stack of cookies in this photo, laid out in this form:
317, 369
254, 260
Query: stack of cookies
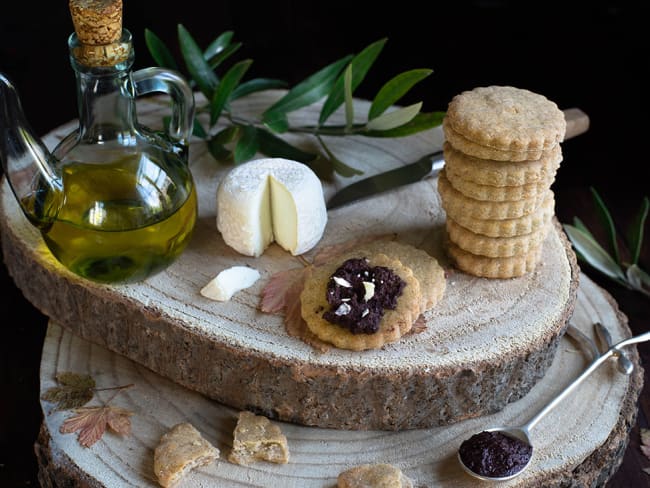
502, 151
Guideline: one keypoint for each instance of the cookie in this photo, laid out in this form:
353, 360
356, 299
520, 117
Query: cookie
494, 247
501, 173
427, 270
180, 450
381, 475
454, 201
506, 227
393, 325
504, 119
497, 193
487, 267
257, 438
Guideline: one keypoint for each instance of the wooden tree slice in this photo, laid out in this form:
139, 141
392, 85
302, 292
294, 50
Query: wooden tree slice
486, 343
580, 443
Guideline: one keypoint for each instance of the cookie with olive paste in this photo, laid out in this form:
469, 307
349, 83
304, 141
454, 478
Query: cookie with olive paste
393, 324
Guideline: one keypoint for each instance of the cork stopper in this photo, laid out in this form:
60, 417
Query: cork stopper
97, 22
98, 25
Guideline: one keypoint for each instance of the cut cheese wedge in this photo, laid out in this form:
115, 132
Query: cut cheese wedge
229, 281
267, 200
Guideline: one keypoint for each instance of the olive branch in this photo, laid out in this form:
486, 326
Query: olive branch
625, 272
242, 138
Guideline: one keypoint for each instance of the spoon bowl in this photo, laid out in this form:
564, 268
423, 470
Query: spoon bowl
522, 433
515, 433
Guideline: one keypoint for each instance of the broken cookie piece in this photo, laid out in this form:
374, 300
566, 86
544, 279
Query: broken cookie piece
374, 476
257, 438
180, 450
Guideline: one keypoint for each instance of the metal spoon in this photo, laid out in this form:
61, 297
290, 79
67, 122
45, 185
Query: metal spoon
624, 364
523, 432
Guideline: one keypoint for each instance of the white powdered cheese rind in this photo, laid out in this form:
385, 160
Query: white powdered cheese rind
268, 200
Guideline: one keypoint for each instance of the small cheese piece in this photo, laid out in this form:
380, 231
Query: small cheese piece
229, 281
268, 200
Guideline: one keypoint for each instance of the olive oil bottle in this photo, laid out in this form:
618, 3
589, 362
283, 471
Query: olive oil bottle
114, 201
122, 221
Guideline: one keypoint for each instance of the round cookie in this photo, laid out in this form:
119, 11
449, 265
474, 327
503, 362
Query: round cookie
487, 267
506, 227
426, 268
494, 247
393, 325
505, 118
501, 173
454, 201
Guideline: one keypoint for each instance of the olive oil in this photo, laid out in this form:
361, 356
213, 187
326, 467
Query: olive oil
122, 221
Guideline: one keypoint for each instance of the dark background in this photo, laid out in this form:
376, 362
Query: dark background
589, 55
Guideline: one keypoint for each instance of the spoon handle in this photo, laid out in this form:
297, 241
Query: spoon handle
590, 369
624, 364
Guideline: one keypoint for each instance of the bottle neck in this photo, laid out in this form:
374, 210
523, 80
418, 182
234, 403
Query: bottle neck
105, 90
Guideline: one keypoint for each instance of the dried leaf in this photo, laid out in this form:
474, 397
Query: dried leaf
91, 422
275, 295
419, 326
74, 390
328, 253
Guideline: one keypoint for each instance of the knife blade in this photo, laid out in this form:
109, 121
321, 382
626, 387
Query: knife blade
427, 166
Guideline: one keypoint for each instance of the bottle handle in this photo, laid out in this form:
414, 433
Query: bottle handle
149, 80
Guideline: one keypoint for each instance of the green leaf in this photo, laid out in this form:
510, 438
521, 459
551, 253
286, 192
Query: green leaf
219, 151
581, 225
339, 166
395, 89
419, 123
308, 91
226, 87
247, 145
159, 51
638, 277
361, 63
275, 147
594, 254
198, 130
218, 45
215, 61
608, 222
349, 102
277, 122
196, 65
396, 118
256, 85
227, 134
635, 232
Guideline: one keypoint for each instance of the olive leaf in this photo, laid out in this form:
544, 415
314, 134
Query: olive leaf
394, 89
159, 51
333, 84
307, 92
226, 87
396, 118
360, 64
626, 273
635, 232
197, 66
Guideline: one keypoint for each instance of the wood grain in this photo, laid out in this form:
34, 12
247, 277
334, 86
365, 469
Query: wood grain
486, 343
580, 443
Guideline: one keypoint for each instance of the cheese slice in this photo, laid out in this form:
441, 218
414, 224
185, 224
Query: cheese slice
267, 200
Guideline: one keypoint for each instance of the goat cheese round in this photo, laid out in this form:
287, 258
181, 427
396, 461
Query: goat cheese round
267, 200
